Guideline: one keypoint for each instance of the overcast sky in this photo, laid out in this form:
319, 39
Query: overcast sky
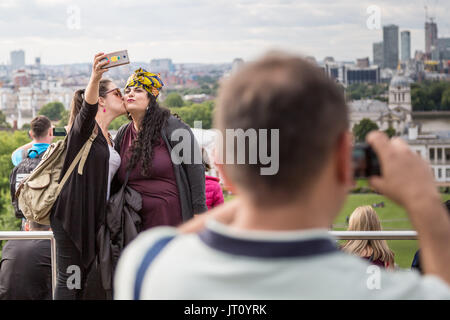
65, 31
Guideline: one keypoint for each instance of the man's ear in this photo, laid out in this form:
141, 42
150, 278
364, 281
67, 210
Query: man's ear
344, 165
50, 132
30, 133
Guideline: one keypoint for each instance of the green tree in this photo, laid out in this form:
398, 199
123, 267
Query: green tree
196, 112
390, 132
173, 100
118, 122
445, 101
53, 110
64, 118
3, 123
361, 129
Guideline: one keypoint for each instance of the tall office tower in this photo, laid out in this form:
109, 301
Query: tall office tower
390, 46
378, 54
430, 37
17, 59
405, 37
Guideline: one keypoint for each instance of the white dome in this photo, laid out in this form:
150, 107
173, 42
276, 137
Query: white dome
400, 81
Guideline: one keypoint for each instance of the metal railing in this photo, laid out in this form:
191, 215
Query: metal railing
340, 235
35, 235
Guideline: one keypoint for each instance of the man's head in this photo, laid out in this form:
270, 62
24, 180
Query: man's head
41, 130
288, 93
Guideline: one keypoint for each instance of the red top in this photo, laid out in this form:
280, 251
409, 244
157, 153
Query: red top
160, 200
214, 195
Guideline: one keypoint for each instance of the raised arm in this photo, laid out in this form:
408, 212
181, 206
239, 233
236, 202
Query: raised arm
407, 180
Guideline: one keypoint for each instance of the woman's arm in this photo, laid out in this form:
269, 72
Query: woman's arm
91, 94
85, 121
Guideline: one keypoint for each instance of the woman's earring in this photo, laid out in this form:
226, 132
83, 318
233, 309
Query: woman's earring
104, 109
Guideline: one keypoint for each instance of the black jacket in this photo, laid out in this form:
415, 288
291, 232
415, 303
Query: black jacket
26, 270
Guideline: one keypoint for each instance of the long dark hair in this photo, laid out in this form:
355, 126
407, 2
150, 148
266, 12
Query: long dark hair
78, 97
148, 136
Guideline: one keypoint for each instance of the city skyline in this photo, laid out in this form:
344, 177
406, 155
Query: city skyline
66, 32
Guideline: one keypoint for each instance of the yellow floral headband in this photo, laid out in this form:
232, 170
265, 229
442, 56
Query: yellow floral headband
151, 82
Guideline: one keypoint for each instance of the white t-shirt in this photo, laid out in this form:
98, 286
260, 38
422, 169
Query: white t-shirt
114, 164
226, 263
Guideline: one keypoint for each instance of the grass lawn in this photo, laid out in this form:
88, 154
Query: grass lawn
392, 217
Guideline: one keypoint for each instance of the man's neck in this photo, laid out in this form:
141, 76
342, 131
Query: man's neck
296, 216
41, 141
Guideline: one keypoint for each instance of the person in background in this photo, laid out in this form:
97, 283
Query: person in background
27, 157
171, 192
26, 268
79, 211
41, 132
377, 252
213, 190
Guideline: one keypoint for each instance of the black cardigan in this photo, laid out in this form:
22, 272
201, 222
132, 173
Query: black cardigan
190, 177
81, 204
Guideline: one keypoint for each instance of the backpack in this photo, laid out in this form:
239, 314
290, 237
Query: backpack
38, 192
20, 172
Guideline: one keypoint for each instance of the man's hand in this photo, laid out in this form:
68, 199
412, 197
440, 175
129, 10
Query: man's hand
406, 177
224, 213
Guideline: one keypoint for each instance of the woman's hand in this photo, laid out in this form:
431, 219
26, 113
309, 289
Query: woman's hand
97, 70
91, 93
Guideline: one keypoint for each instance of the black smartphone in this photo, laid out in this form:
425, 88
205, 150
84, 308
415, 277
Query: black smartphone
59, 132
116, 59
365, 161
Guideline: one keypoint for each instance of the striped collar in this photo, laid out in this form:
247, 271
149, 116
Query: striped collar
267, 244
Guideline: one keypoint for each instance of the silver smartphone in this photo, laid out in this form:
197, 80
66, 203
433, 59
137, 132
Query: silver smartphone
116, 59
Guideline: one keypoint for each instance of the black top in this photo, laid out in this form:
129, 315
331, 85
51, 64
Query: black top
26, 270
81, 204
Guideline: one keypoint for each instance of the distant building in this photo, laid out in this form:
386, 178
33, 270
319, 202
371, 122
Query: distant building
405, 37
332, 70
390, 46
237, 64
378, 54
21, 78
17, 59
435, 149
37, 62
431, 34
362, 63
161, 66
400, 97
442, 49
353, 74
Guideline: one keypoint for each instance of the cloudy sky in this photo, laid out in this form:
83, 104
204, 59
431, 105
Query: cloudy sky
213, 31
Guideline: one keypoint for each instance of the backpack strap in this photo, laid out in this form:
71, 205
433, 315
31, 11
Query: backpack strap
81, 155
146, 261
87, 147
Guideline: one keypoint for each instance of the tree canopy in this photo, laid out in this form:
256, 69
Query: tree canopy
53, 110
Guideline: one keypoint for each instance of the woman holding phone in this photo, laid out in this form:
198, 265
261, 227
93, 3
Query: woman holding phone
79, 210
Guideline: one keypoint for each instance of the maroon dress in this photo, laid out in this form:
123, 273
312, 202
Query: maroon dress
160, 199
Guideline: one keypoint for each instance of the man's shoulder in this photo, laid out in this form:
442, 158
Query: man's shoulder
133, 256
